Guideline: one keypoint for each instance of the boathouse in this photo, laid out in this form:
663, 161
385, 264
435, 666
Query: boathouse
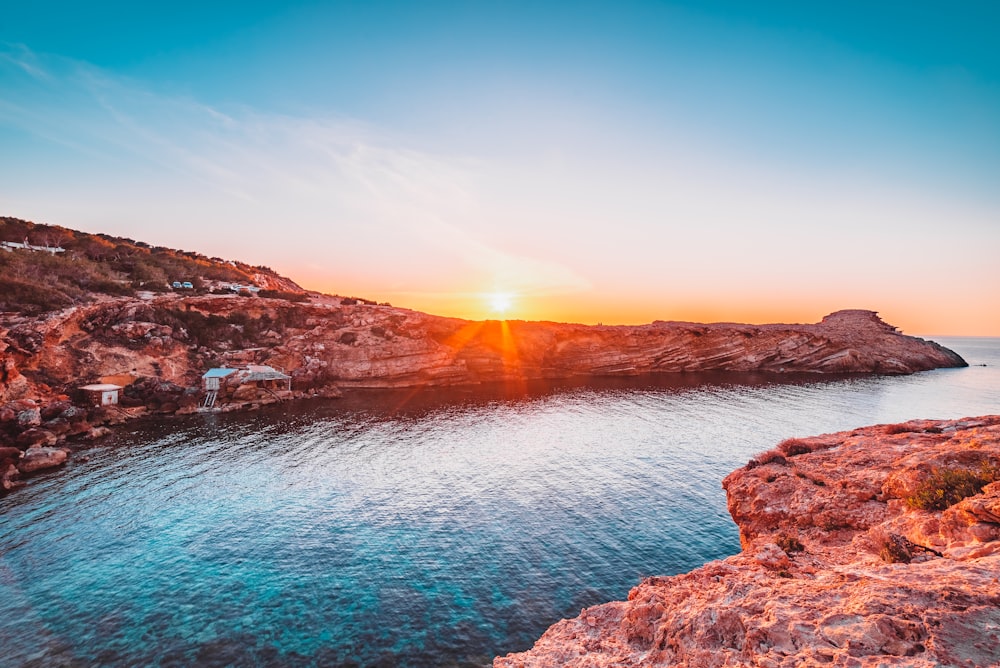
213, 377
265, 376
102, 394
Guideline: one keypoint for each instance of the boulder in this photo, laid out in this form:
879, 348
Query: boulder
31, 417
78, 426
58, 426
72, 412
9, 477
37, 459
96, 433
8, 453
33, 438
55, 409
103, 415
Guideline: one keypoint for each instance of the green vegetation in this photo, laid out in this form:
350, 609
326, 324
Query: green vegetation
789, 544
38, 281
895, 549
794, 446
238, 329
287, 296
946, 487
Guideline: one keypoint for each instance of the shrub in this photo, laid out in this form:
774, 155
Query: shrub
946, 487
287, 296
29, 297
895, 550
794, 446
789, 544
769, 457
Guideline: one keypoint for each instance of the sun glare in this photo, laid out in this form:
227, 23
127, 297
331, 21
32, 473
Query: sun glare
500, 302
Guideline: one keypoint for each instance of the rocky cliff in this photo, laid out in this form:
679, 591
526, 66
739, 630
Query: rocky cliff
874, 547
160, 345
326, 340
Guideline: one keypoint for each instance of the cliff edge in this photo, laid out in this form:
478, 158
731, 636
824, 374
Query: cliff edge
874, 547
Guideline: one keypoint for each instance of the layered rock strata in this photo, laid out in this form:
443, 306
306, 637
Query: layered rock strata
325, 342
849, 559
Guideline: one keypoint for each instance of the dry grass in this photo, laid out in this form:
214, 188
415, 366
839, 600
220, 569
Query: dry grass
946, 487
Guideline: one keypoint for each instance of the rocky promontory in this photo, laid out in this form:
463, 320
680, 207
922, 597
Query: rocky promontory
323, 341
874, 547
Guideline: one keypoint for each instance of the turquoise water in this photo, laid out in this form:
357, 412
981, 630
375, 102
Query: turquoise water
400, 529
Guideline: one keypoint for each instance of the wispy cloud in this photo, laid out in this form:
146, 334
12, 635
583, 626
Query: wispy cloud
22, 57
338, 182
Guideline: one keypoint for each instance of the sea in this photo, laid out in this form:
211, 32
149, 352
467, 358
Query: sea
429, 528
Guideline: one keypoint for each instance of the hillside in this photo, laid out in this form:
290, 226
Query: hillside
47, 267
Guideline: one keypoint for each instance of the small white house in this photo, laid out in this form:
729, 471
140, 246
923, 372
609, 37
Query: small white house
102, 394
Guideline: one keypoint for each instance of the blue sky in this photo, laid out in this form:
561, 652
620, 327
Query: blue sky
604, 161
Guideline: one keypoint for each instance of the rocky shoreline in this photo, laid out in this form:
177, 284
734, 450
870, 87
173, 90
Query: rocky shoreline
158, 347
874, 547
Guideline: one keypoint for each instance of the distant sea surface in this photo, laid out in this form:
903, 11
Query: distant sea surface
436, 528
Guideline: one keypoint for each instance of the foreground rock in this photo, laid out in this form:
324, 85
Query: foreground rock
36, 459
837, 568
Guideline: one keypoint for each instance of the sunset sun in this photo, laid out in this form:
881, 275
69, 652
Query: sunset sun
500, 302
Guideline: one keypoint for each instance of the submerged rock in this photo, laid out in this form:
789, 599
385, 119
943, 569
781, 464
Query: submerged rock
837, 568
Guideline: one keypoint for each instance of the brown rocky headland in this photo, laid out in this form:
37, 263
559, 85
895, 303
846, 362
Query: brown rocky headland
874, 547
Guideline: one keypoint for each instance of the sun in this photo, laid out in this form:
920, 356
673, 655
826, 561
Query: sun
500, 302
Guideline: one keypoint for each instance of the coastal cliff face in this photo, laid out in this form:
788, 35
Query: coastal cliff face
326, 342
874, 547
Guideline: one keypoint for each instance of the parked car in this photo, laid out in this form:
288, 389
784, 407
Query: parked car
176, 285
187, 285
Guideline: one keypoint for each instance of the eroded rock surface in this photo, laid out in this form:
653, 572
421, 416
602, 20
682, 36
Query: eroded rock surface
837, 569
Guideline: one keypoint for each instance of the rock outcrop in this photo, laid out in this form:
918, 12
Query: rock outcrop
325, 342
36, 459
852, 556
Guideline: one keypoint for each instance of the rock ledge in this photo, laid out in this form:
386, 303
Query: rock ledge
836, 568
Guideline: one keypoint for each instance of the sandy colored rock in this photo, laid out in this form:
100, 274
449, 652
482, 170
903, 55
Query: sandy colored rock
841, 600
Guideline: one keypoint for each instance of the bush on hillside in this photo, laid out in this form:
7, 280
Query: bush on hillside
944, 488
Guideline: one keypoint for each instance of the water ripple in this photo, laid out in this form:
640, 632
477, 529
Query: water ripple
407, 530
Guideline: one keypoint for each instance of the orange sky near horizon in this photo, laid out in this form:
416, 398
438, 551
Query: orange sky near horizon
942, 318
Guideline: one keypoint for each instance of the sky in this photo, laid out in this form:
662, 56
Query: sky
614, 162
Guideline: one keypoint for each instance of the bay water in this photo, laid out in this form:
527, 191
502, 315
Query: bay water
431, 528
